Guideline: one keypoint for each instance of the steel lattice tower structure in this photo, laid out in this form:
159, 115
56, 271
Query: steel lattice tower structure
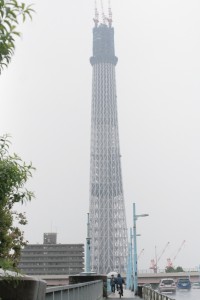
108, 230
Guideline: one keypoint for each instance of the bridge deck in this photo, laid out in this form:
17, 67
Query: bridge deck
127, 295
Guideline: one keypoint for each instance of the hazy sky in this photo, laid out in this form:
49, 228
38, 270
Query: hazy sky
46, 106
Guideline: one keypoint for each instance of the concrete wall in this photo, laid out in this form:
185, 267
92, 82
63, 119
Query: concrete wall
22, 288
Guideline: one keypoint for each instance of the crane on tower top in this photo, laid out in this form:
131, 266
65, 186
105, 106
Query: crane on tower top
109, 14
102, 12
106, 19
96, 13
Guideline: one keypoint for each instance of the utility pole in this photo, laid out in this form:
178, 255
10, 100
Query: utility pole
135, 281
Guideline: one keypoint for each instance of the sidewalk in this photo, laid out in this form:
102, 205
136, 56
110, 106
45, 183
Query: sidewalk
127, 295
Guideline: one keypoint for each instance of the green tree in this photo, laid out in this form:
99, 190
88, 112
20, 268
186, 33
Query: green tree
14, 174
11, 13
169, 270
173, 270
179, 269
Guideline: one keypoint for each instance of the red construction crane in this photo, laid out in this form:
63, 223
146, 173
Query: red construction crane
171, 261
154, 262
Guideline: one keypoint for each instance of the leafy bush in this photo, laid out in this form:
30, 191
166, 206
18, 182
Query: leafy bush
14, 174
11, 12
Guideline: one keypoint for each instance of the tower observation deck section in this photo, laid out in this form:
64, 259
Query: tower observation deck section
108, 229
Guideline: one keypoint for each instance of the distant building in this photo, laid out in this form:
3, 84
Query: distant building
52, 258
50, 238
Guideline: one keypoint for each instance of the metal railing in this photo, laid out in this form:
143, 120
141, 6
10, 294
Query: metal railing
150, 294
150, 271
92, 290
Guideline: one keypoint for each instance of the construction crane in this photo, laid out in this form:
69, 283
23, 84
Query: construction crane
170, 261
109, 19
154, 262
102, 12
96, 18
179, 249
139, 255
105, 19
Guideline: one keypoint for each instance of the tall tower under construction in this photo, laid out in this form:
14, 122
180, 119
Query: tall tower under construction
108, 229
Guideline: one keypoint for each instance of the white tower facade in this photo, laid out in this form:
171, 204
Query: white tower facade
108, 229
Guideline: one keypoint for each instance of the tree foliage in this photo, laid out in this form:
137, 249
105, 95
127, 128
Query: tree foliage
14, 174
11, 13
174, 270
179, 269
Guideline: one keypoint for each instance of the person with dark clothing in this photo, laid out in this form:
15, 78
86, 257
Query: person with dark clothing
120, 282
112, 283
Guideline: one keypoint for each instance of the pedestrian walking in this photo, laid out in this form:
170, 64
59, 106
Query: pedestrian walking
112, 283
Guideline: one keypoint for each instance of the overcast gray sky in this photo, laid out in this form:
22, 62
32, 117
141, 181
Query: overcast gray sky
46, 105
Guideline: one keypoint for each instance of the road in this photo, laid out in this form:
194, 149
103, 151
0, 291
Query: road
193, 294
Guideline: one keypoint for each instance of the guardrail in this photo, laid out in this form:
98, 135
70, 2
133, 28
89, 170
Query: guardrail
92, 290
150, 271
150, 294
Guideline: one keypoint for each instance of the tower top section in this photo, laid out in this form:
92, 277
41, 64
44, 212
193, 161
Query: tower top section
103, 38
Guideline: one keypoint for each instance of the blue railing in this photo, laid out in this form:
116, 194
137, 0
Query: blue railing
83, 291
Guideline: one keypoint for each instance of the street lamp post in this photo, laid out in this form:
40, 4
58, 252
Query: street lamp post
135, 217
129, 276
87, 265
